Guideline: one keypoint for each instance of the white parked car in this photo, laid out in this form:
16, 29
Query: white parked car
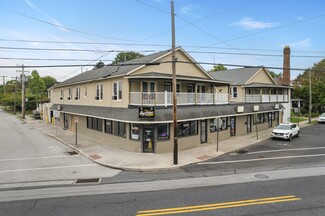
321, 118
286, 131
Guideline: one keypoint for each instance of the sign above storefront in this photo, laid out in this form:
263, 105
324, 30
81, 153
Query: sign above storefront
146, 112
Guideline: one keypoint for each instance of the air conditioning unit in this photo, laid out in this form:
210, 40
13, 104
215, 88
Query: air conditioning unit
277, 106
76, 98
61, 98
256, 108
96, 98
240, 109
69, 98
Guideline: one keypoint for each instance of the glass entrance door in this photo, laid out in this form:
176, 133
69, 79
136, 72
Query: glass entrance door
270, 120
148, 139
233, 126
204, 135
65, 121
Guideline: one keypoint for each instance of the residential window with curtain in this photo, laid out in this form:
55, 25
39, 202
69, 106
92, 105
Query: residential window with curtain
69, 94
77, 93
62, 95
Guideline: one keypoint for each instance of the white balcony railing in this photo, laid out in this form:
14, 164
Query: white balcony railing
166, 98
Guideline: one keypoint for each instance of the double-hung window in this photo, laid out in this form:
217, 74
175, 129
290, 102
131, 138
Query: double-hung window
69, 94
77, 93
117, 90
62, 95
234, 92
99, 92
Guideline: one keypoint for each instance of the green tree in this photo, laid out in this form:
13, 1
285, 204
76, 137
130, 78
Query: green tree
301, 91
36, 85
218, 67
275, 75
99, 64
49, 81
126, 56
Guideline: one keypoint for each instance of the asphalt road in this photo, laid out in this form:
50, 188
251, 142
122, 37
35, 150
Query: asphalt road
298, 196
29, 157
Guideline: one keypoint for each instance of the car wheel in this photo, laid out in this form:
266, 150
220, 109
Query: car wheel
298, 134
290, 137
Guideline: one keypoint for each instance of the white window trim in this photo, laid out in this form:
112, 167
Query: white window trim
117, 91
101, 89
77, 95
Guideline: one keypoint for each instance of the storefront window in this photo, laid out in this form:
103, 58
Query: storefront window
187, 128
95, 123
135, 131
222, 124
259, 118
163, 131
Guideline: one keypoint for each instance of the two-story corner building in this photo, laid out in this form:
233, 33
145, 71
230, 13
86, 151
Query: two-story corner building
130, 105
255, 85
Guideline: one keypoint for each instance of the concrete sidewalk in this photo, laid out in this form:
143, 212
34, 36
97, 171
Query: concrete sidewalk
117, 158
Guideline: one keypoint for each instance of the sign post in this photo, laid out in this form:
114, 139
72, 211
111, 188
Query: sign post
76, 121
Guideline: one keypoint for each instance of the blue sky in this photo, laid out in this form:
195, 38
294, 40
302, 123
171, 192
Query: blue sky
210, 30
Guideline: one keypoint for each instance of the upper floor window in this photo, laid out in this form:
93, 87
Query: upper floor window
85, 92
77, 93
69, 94
61, 94
117, 90
234, 92
99, 92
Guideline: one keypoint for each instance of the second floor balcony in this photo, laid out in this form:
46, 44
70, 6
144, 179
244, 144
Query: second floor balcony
166, 98
257, 98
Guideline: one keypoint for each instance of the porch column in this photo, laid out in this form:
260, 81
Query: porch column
195, 86
261, 93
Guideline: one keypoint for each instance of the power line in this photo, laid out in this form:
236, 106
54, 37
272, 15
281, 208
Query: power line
144, 44
48, 59
60, 26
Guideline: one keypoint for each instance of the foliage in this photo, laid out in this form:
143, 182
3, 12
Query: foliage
218, 67
99, 64
275, 75
317, 88
49, 81
126, 56
36, 85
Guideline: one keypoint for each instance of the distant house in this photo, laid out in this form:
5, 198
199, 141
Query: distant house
130, 105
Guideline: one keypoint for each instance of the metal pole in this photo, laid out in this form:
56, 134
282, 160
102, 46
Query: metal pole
175, 155
310, 98
76, 133
23, 92
256, 126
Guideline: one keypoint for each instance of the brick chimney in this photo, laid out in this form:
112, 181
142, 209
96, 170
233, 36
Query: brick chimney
286, 66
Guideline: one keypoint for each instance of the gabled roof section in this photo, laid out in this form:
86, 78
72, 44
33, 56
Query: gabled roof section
258, 73
112, 70
235, 76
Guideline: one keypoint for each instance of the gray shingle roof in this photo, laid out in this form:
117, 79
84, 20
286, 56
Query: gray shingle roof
235, 76
162, 114
112, 70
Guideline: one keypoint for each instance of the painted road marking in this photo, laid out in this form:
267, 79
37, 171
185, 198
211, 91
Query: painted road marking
283, 150
45, 168
216, 206
261, 159
36, 158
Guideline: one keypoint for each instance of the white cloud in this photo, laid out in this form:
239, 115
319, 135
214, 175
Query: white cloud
249, 23
53, 21
189, 10
305, 43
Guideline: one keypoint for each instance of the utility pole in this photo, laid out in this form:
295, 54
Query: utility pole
15, 95
310, 98
23, 95
174, 59
4, 84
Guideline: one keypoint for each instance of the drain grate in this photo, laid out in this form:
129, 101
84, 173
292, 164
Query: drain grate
72, 153
241, 151
85, 181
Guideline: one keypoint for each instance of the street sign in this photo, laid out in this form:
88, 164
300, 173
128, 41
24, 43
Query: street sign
76, 119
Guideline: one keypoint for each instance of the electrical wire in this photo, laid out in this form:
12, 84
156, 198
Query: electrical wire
62, 27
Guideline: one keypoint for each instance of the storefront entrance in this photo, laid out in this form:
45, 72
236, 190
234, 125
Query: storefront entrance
204, 136
270, 120
148, 139
65, 121
233, 126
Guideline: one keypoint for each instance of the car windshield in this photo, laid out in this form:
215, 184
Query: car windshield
283, 127
323, 115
